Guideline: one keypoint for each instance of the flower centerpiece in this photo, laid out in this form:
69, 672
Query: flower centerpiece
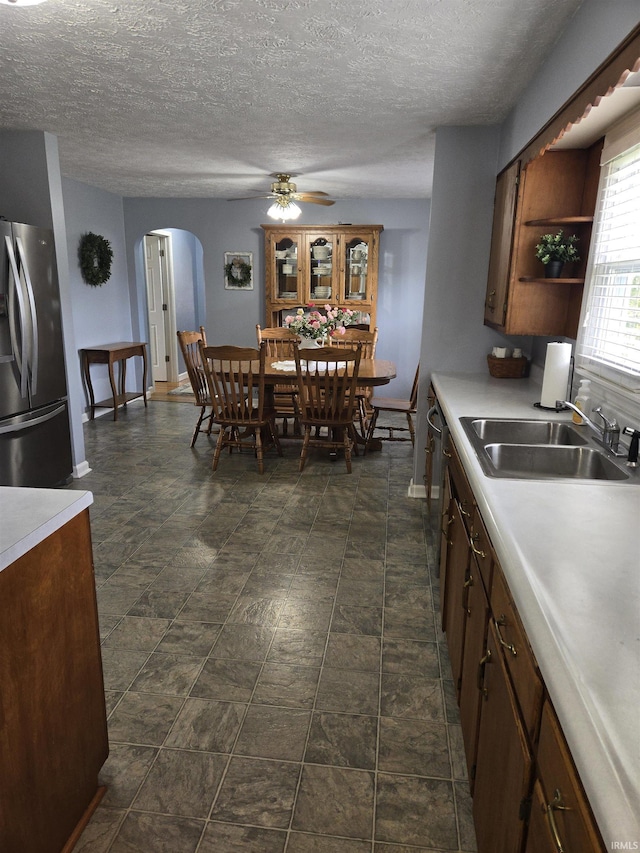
311, 323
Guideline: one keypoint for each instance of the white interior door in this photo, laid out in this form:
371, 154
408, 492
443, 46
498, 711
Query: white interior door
160, 305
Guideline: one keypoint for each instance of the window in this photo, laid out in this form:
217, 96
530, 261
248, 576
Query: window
609, 345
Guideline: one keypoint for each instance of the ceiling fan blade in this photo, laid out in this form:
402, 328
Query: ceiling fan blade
312, 192
311, 200
245, 197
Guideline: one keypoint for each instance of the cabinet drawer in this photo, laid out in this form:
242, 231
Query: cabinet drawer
565, 803
523, 670
482, 550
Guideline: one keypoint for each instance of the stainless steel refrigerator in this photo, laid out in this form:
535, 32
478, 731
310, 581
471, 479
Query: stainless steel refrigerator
35, 442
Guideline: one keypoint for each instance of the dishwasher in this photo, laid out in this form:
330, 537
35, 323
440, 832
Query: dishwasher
437, 440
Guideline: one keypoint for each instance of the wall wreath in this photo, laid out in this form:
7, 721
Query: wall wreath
95, 256
238, 271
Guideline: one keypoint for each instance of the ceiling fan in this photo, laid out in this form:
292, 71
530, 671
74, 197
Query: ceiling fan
284, 194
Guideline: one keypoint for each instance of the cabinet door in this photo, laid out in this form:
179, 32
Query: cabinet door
503, 767
445, 543
356, 260
456, 590
284, 271
475, 647
429, 450
567, 813
540, 837
322, 263
504, 214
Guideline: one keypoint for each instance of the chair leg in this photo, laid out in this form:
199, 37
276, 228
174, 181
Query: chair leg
197, 429
274, 436
347, 449
259, 450
412, 431
219, 444
305, 447
371, 430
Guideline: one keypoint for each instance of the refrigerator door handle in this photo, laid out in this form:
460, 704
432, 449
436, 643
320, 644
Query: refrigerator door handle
34, 318
19, 355
20, 425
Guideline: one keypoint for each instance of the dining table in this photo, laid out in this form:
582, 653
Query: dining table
371, 373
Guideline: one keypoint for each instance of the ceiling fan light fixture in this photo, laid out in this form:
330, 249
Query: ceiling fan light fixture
21, 2
284, 209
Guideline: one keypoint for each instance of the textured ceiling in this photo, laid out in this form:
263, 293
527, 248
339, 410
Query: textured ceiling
206, 98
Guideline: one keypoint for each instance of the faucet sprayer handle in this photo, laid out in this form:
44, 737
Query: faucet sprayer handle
632, 458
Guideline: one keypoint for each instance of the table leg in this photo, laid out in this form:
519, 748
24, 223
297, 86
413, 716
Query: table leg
114, 391
144, 374
87, 379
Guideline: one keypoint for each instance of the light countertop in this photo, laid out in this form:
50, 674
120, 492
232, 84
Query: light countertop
570, 552
27, 516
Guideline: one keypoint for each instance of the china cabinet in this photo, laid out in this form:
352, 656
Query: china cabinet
332, 264
555, 191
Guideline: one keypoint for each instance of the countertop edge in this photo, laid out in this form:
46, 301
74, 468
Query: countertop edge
28, 516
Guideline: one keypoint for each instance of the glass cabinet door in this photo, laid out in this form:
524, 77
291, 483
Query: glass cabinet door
322, 264
356, 270
286, 268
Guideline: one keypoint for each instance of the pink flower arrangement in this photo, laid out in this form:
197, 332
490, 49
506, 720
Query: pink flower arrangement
310, 323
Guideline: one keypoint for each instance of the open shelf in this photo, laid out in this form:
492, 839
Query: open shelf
543, 280
561, 220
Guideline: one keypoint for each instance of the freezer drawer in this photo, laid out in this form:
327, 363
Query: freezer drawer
35, 448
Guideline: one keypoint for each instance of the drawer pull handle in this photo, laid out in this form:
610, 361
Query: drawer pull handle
509, 646
480, 554
447, 454
556, 805
463, 511
468, 583
483, 662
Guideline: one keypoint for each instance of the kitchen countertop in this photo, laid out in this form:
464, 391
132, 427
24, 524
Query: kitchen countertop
571, 556
27, 516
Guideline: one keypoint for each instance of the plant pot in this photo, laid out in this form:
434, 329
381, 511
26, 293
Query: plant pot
310, 343
553, 269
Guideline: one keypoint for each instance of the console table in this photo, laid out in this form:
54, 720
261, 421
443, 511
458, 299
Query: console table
108, 354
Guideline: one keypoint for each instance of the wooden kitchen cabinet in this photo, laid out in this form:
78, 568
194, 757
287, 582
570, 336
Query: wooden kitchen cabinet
332, 264
555, 191
517, 757
53, 731
504, 761
560, 815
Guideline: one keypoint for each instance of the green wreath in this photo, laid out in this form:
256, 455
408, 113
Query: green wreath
95, 256
238, 273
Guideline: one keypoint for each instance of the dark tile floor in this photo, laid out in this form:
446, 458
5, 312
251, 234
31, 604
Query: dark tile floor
274, 677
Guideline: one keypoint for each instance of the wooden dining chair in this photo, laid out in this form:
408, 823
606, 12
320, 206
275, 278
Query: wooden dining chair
189, 347
368, 340
280, 343
397, 406
235, 377
327, 398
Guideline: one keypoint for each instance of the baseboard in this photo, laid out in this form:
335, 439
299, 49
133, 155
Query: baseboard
416, 491
81, 470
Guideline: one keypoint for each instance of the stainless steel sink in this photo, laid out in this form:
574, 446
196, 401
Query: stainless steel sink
525, 432
540, 450
552, 460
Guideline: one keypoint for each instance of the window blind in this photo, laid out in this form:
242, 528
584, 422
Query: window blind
609, 346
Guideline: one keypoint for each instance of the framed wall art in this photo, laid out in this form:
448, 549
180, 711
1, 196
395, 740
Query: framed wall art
238, 270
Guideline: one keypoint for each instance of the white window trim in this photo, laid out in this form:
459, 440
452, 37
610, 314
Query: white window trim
620, 138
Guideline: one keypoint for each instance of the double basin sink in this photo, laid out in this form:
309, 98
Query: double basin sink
540, 450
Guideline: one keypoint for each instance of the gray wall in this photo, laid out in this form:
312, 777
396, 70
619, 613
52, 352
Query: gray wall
232, 315
100, 314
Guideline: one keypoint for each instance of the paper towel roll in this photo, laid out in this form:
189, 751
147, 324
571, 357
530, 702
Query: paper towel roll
556, 374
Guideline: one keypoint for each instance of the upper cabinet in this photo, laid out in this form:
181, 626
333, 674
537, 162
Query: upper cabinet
556, 191
333, 264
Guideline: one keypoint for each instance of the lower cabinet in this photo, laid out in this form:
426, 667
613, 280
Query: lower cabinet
527, 796
53, 729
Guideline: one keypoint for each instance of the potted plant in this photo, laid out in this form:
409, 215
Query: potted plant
555, 250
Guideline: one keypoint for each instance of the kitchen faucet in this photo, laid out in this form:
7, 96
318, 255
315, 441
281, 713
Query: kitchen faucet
608, 435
